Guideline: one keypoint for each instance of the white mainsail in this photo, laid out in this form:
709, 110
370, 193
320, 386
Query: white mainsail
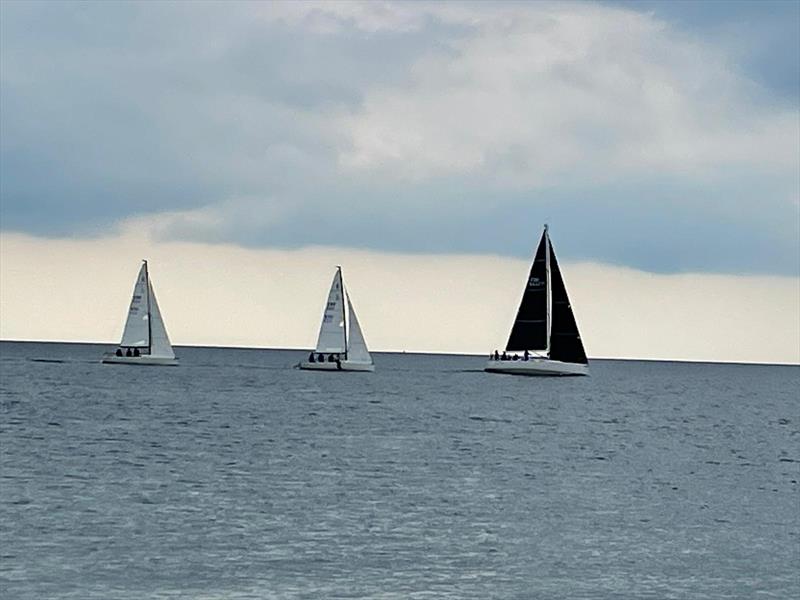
357, 347
331, 331
137, 330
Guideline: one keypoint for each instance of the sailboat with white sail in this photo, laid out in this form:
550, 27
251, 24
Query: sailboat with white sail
544, 339
144, 340
340, 345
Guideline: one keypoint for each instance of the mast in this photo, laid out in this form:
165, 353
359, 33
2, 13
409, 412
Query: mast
549, 289
344, 312
149, 320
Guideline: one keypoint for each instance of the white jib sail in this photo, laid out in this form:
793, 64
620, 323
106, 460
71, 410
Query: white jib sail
137, 332
357, 348
159, 340
331, 332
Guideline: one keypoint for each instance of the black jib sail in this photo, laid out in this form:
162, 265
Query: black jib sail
530, 327
565, 341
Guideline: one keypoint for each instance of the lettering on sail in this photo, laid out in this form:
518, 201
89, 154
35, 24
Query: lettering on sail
535, 282
135, 301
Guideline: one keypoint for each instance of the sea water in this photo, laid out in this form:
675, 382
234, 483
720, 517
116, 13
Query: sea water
237, 476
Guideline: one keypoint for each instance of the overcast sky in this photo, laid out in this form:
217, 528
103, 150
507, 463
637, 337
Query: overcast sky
652, 136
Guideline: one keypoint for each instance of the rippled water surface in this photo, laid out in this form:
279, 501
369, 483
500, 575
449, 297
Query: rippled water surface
236, 476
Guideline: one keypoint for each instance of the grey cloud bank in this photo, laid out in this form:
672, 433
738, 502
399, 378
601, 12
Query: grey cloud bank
762, 37
412, 127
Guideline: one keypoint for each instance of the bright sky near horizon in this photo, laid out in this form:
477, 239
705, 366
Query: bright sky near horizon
246, 148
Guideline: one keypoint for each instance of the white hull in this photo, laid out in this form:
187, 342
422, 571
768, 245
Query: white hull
163, 361
346, 365
536, 366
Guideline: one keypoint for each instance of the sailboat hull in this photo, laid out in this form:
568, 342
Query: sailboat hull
344, 365
163, 361
536, 367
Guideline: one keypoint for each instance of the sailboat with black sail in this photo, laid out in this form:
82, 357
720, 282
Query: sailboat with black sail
544, 339
340, 345
144, 340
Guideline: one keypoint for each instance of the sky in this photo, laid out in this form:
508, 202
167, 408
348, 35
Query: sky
410, 142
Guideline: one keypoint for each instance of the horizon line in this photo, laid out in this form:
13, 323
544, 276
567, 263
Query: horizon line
421, 352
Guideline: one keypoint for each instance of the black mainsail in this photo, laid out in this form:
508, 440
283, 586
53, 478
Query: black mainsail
545, 321
530, 327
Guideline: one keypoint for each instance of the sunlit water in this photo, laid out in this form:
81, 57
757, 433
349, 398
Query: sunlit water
236, 476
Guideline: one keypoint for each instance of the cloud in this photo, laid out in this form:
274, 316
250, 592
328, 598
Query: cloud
410, 127
220, 294
537, 94
760, 37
